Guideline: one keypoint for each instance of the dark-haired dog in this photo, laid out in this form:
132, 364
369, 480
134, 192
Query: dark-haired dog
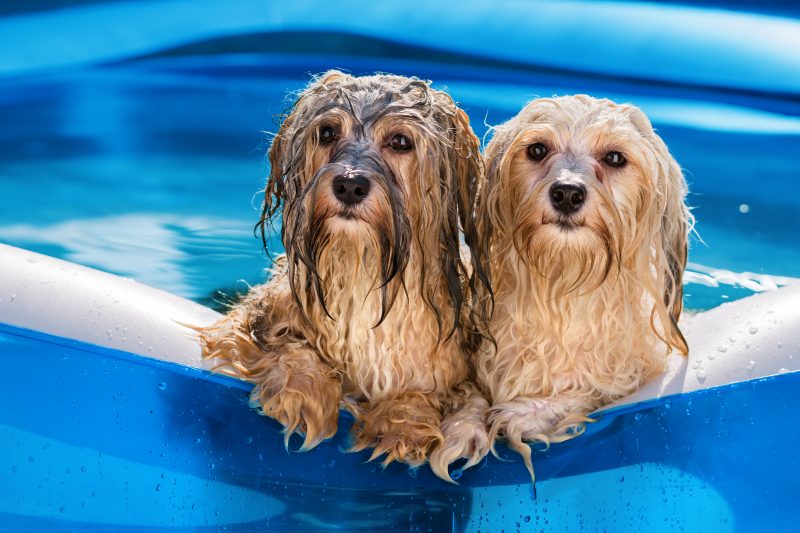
370, 307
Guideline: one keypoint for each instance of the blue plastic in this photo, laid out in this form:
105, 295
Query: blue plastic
94, 439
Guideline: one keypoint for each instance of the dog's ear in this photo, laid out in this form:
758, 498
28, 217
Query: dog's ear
469, 170
675, 225
280, 151
275, 190
676, 222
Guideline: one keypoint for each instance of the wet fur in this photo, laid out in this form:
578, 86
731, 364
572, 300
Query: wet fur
581, 316
370, 311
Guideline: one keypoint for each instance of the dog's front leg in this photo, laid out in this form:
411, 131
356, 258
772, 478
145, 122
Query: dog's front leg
538, 419
259, 340
405, 428
463, 430
299, 391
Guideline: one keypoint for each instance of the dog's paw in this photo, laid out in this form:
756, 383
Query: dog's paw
305, 405
403, 429
463, 438
523, 419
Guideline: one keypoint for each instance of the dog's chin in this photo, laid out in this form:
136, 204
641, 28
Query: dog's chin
347, 223
565, 225
564, 230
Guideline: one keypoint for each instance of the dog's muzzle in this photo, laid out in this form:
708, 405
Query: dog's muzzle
350, 189
357, 164
567, 198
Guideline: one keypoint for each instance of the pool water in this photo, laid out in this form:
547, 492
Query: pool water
132, 139
150, 167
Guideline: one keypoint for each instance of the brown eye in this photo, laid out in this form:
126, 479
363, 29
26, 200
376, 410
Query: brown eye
538, 151
615, 159
327, 135
400, 143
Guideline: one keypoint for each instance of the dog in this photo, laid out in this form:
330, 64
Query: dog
585, 223
370, 307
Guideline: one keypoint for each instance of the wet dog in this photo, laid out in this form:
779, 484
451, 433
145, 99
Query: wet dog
375, 178
585, 223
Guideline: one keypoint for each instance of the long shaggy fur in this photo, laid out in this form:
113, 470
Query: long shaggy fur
585, 311
370, 306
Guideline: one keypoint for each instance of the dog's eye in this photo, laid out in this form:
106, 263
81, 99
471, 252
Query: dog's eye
538, 151
327, 135
400, 143
615, 159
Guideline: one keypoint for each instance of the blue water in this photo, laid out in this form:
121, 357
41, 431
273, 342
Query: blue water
149, 165
132, 139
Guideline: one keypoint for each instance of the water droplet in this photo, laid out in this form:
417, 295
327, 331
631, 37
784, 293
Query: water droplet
162, 385
744, 208
197, 440
31, 459
783, 370
722, 349
158, 487
526, 518
249, 440
61, 509
751, 365
711, 356
33, 260
753, 330
780, 344
456, 475
701, 374
13, 297
637, 416
83, 469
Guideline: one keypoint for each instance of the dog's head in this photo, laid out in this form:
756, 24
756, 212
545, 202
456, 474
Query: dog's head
384, 165
583, 190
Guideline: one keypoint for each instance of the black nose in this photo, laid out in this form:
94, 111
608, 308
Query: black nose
567, 198
350, 190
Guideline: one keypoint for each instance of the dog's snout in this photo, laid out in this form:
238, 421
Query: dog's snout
567, 198
350, 190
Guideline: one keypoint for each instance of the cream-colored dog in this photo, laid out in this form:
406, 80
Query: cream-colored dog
586, 226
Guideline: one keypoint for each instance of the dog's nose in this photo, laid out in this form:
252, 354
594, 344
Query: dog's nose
350, 190
567, 198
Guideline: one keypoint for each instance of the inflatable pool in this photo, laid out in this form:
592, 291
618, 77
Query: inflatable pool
130, 144
112, 420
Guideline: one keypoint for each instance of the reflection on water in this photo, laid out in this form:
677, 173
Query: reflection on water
151, 169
